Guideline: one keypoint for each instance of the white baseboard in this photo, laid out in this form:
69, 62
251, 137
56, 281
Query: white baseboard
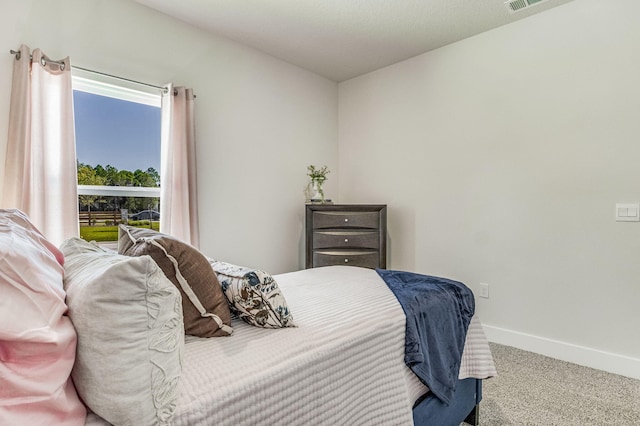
613, 363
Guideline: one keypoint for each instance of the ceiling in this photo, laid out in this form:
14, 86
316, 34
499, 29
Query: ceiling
341, 39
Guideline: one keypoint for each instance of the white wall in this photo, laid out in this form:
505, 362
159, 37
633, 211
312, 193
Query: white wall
260, 121
501, 158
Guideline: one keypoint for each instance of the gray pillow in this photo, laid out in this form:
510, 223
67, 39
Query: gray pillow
128, 317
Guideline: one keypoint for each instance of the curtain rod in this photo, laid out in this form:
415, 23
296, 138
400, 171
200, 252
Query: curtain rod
162, 88
18, 54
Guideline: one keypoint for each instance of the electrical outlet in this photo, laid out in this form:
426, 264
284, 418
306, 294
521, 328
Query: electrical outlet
484, 290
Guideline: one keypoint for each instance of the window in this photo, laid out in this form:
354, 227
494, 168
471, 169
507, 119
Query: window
117, 126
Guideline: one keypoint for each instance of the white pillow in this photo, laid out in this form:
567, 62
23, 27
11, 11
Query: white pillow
128, 317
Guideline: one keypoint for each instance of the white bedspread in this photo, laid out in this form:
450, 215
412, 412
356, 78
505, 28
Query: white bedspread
342, 365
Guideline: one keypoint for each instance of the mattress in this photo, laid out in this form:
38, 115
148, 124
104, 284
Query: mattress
343, 364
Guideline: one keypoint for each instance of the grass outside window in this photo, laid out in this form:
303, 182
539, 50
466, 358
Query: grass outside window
104, 233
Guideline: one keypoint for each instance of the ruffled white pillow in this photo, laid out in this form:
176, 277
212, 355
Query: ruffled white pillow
128, 317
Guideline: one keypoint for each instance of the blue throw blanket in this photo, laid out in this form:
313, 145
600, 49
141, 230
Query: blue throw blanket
438, 313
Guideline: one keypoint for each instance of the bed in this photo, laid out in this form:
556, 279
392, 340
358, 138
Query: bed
91, 329
342, 364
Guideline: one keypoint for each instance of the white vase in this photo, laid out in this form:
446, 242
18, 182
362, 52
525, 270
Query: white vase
316, 191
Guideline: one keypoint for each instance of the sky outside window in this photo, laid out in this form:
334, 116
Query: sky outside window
116, 132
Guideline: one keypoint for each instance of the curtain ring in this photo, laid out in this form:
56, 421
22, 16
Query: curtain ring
62, 65
18, 55
43, 61
175, 92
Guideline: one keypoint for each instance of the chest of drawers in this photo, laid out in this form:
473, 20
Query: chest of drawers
346, 234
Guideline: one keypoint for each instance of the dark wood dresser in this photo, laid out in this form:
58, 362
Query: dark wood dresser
346, 234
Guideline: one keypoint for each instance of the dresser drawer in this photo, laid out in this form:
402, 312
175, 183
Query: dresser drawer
342, 219
346, 239
362, 258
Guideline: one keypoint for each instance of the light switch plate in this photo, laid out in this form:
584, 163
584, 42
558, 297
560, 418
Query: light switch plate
626, 212
484, 290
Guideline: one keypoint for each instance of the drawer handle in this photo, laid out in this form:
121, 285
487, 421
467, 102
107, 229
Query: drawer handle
346, 261
346, 219
346, 240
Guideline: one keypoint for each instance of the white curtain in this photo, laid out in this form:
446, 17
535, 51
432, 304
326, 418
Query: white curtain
40, 171
178, 201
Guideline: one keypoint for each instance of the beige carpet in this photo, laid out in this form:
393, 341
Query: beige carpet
532, 389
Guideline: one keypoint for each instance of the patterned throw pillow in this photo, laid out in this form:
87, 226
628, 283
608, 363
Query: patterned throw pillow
253, 295
206, 311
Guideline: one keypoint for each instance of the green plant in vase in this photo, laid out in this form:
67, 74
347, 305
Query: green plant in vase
314, 188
